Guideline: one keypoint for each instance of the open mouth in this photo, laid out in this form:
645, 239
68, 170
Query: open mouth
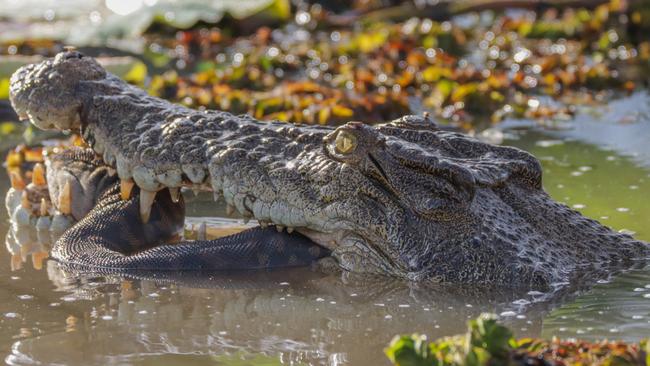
43, 206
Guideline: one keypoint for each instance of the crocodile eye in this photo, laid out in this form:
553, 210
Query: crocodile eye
345, 142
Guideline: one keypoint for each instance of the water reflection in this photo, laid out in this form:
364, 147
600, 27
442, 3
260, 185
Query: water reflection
293, 316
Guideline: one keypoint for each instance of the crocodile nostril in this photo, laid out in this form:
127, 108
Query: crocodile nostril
73, 54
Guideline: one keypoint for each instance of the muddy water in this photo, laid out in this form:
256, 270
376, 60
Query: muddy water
305, 317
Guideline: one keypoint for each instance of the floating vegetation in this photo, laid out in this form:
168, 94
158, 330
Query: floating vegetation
475, 68
488, 343
476, 65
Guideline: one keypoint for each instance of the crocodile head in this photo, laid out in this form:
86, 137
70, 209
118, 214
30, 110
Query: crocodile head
403, 198
47, 93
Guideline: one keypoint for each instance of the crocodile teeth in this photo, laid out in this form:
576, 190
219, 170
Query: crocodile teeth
43, 209
146, 201
289, 229
202, 232
17, 181
247, 220
175, 193
230, 209
263, 224
196, 191
216, 195
279, 228
65, 199
38, 175
126, 186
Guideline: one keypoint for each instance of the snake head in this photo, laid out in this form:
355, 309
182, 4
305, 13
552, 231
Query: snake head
49, 93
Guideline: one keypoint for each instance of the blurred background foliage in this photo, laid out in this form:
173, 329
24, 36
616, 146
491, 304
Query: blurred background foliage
470, 63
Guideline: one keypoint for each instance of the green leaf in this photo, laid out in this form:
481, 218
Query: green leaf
137, 74
409, 351
486, 333
205, 66
7, 128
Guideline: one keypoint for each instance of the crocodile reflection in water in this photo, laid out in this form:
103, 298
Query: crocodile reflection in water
297, 315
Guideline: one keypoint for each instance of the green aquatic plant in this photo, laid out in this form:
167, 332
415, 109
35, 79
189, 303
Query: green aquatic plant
488, 343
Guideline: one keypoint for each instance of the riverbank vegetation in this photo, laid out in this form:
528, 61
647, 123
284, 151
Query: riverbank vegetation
489, 343
469, 64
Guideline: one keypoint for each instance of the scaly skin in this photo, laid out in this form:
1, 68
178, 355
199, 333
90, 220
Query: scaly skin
110, 238
403, 198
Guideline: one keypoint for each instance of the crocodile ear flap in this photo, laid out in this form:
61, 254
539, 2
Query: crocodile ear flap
494, 173
412, 122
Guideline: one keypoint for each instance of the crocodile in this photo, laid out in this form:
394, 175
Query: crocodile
403, 198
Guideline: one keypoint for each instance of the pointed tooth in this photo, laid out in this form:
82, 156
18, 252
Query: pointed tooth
44, 210
24, 201
289, 229
246, 220
279, 228
146, 201
65, 199
230, 209
216, 195
38, 175
17, 182
126, 187
175, 193
196, 191
263, 224
202, 232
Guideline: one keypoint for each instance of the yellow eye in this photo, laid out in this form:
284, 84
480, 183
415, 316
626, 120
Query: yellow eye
345, 142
